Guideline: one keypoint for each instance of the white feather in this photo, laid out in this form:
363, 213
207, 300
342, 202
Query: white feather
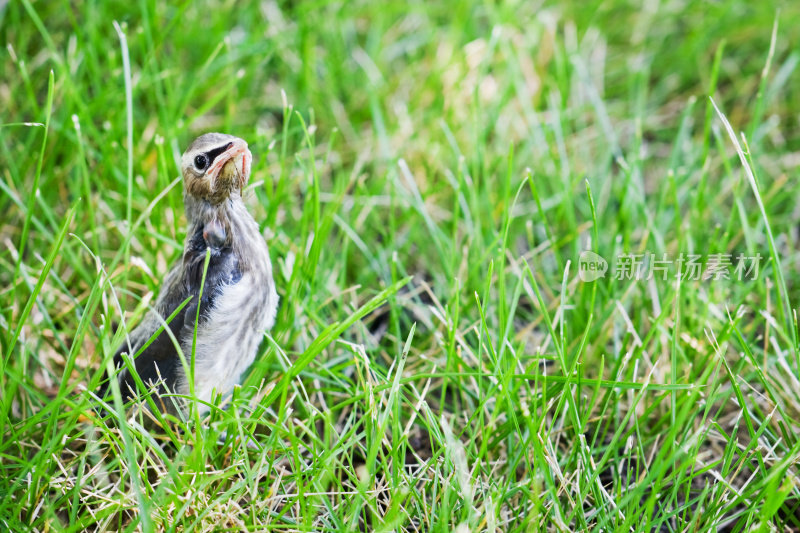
228, 340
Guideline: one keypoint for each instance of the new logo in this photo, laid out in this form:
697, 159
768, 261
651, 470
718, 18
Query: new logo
591, 266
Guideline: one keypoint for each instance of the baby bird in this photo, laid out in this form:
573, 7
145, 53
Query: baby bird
238, 302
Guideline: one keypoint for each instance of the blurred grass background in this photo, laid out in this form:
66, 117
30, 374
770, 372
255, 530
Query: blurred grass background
476, 148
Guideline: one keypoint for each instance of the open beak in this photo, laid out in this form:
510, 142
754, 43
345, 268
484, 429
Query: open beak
237, 154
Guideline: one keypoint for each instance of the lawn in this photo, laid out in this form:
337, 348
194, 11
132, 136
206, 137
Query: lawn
537, 264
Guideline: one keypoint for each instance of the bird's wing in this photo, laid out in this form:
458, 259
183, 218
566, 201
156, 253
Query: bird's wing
157, 360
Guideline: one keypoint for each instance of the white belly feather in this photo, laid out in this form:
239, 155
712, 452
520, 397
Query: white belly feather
228, 339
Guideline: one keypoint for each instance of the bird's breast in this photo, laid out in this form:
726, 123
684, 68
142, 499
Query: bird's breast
223, 265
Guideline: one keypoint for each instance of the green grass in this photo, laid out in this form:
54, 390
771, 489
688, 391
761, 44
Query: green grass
427, 175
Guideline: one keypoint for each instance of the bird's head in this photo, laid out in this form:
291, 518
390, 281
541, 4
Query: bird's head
215, 166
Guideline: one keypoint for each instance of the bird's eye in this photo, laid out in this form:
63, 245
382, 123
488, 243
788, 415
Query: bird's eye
200, 162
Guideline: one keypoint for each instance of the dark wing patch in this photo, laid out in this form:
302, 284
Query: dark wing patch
159, 361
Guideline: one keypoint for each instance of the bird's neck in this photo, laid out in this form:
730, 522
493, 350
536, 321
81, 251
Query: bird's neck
237, 223
201, 211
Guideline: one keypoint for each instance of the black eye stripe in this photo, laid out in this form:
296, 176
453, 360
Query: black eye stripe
212, 154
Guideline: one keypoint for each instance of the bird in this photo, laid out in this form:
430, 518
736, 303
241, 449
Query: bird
238, 301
